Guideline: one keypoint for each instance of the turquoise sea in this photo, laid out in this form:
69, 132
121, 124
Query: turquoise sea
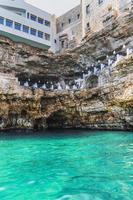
66, 165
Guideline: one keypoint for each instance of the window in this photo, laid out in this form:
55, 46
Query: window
100, 1
62, 44
47, 23
69, 21
78, 16
9, 23
33, 17
47, 36
25, 29
55, 41
88, 25
33, 31
1, 20
40, 20
28, 15
17, 26
88, 9
62, 24
18, 13
88, 28
40, 34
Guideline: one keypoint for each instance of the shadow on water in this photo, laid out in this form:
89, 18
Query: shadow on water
56, 133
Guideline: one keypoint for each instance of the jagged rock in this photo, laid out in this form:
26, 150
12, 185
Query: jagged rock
106, 107
107, 103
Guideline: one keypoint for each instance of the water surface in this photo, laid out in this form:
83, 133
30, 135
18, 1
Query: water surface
67, 165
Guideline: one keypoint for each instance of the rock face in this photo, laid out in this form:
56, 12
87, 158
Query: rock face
107, 103
107, 107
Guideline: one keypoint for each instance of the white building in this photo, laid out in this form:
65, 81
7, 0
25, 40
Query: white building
23, 22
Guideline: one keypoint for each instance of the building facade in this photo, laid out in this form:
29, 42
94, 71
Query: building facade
69, 29
96, 14
23, 22
88, 17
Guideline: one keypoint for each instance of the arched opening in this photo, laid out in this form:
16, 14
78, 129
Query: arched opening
40, 124
92, 81
1, 120
57, 119
12, 118
23, 113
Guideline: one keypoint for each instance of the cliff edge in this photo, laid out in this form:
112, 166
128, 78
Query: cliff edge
105, 103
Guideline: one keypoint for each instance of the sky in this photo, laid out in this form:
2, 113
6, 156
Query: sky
57, 7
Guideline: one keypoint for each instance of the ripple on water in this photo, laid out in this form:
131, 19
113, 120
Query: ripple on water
85, 167
82, 196
31, 182
2, 188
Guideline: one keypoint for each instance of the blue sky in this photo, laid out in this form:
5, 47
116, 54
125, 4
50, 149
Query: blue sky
57, 7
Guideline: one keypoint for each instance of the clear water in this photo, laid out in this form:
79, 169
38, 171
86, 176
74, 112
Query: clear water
72, 165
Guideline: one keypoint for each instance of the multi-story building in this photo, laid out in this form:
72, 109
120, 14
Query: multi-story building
23, 22
69, 29
96, 14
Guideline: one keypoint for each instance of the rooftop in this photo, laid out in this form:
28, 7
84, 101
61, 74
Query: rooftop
57, 7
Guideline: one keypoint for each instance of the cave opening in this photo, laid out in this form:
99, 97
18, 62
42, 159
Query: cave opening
40, 124
12, 118
57, 119
23, 113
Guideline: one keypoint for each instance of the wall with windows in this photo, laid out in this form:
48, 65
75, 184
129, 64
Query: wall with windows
26, 21
95, 13
68, 19
37, 19
69, 29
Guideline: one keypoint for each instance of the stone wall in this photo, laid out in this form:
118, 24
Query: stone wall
69, 29
74, 15
95, 12
98, 14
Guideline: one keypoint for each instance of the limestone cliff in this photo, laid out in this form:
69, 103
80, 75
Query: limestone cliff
108, 104
106, 107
